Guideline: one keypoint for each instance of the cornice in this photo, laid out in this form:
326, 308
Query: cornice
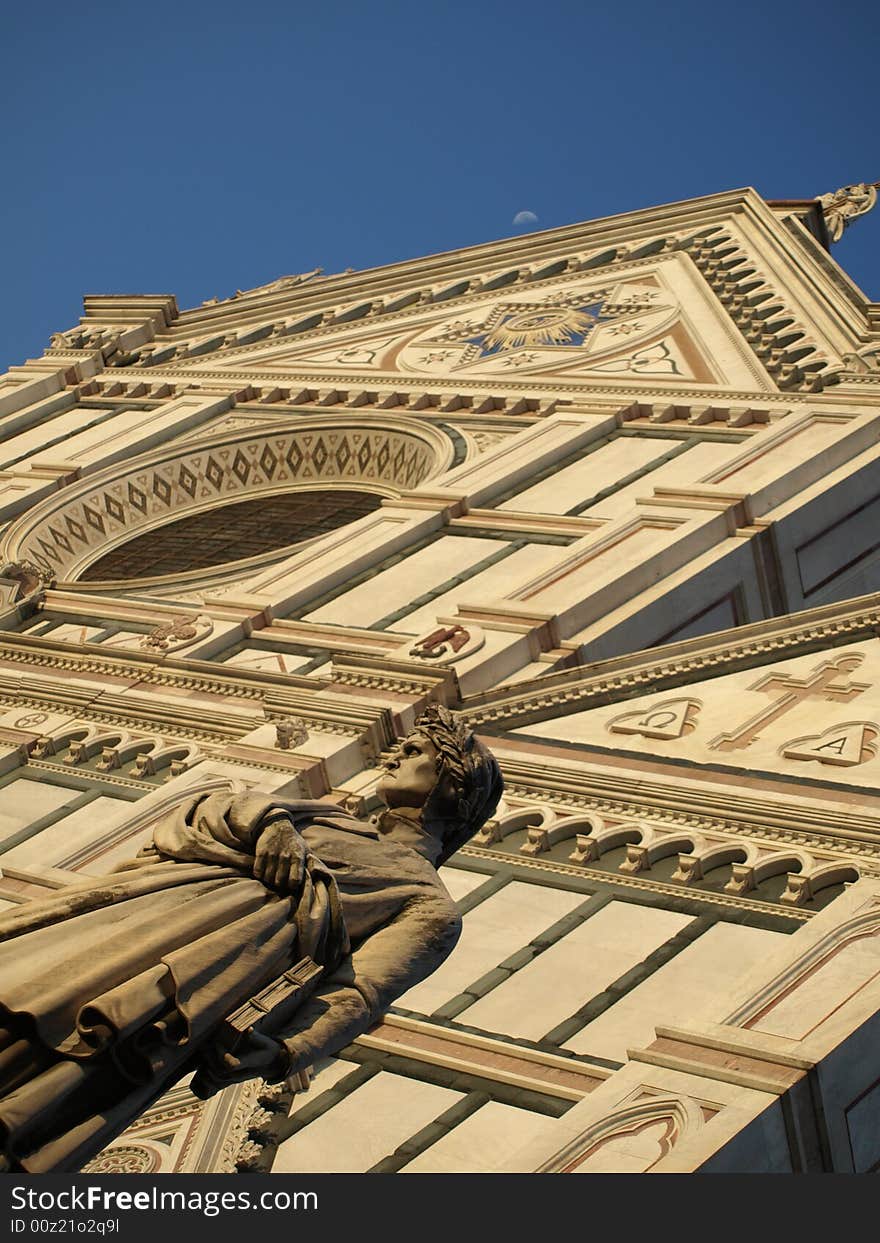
676, 664
696, 805
721, 257
373, 389
484, 257
699, 896
425, 304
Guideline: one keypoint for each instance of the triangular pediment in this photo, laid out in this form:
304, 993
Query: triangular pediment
620, 323
701, 294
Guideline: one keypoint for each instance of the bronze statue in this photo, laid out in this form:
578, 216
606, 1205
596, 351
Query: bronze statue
115, 988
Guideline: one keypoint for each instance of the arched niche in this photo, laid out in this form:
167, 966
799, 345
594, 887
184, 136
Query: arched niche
84, 522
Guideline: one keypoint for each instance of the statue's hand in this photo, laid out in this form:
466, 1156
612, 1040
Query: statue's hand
280, 857
257, 1057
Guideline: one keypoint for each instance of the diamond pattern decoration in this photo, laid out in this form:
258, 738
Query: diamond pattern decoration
132, 502
137, 498
94, 519
114, 508
187, 480
241, 467
342, 455
76, 529
214, 473
294, 457
162, 489
61, 539
268, 461
320, 455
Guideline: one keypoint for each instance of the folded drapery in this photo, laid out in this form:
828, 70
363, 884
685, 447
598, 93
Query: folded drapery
109, 988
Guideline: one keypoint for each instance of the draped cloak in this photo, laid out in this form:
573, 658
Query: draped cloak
111, 990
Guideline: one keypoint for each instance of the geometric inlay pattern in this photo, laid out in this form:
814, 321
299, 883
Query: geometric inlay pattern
224, 473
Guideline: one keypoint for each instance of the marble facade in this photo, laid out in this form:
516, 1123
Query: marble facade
621, 483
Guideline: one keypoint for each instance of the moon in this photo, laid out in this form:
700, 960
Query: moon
525, 218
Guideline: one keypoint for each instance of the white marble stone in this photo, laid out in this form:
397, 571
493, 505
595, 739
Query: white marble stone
268, 662
562, 491
26, 801
691, 986
460, 883
368, 1125
414, 575
60, 840
504, 922
492, 584
50, 432
481, 1143
67, 633
687, 467
822, 991
562, 979
326, 1076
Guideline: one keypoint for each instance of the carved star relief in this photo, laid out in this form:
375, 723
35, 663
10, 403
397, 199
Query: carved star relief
516, 334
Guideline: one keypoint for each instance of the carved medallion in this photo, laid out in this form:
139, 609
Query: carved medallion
670, 719
177, 634
843, 745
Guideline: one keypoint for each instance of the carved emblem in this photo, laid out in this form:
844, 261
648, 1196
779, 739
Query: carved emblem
843, 745
821, 684
19, 578
290, 733
561, 327
449, 643
180, 632
842, 207
670, 719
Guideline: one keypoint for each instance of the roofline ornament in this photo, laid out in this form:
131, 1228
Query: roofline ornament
840, 208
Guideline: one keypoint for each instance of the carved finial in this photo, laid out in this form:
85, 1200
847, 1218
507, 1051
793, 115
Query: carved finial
841, 208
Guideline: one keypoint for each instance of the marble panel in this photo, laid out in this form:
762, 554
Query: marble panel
492, 931
693, 986
567, 975
368, 1125
63, 838
460, 883
414, 575
561, 492
25, 802
481, 1143
494, 583
688, 467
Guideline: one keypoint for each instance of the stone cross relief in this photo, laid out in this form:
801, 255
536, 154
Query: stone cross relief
850, 743
826, 683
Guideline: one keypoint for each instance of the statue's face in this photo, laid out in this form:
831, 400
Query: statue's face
410, 772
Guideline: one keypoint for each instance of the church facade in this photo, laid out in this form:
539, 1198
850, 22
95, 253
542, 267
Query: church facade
610, 491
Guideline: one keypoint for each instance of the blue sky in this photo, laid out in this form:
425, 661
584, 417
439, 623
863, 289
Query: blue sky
195, 148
